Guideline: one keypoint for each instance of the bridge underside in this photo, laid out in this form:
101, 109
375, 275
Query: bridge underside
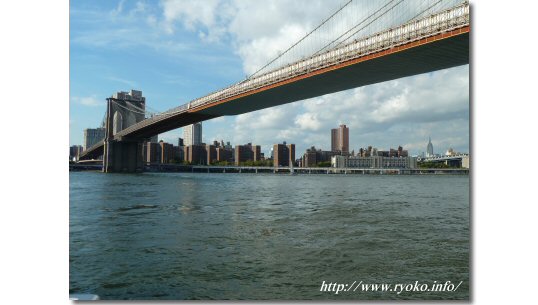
180, 120
427, 57
94, 153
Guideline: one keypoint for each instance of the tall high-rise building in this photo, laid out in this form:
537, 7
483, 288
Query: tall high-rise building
247, 152
192, 134
153, 152
225, 154
145, 146
92, 136
283, 154
340, 139
429, 148
256, 152
195, 154
211, 151
168, 153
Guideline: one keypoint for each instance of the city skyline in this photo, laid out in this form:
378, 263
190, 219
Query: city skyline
428, 152
183, 56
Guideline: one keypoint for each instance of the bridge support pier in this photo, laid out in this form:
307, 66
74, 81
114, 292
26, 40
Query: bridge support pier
122, 156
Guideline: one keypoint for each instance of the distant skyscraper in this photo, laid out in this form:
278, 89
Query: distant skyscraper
92, 136
429, 149
340, 139
192, 134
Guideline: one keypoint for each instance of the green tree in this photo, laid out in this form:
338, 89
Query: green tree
432, 165
324, 164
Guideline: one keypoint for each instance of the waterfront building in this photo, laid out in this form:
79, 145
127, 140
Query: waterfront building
74, 152
429, 148
465, 162
369, 151
211, 153
256, 152
180, 153
374, 152
247, 152
283, 155
92, 136
196, 154
309, 158
291, 149
402, 152
340, 139
373, 162
225, 154
380, 153
153, 152
168, 153
393, 153
153, 139
313, 156
192, 134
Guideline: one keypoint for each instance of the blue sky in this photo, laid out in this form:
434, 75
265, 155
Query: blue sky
175, 51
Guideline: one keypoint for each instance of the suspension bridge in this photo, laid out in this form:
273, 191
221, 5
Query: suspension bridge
361, 43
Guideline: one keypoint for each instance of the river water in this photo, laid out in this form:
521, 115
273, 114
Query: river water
265, 236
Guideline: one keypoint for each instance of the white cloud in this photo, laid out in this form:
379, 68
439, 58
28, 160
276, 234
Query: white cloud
91, 101
200, 16
119, 9
308, 121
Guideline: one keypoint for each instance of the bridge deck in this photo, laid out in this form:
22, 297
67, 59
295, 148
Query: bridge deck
432, 54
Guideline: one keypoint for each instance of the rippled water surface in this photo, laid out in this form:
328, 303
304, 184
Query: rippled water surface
257, 236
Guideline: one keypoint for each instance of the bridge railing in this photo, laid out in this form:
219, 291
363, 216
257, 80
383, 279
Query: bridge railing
445, 157
432, 25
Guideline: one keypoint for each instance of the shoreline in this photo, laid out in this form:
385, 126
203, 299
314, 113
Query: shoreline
173, 168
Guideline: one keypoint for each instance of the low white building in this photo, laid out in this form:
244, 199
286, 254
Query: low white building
465, 162
373, 162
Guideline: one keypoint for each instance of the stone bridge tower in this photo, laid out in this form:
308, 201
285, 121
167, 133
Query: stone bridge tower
123, 110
